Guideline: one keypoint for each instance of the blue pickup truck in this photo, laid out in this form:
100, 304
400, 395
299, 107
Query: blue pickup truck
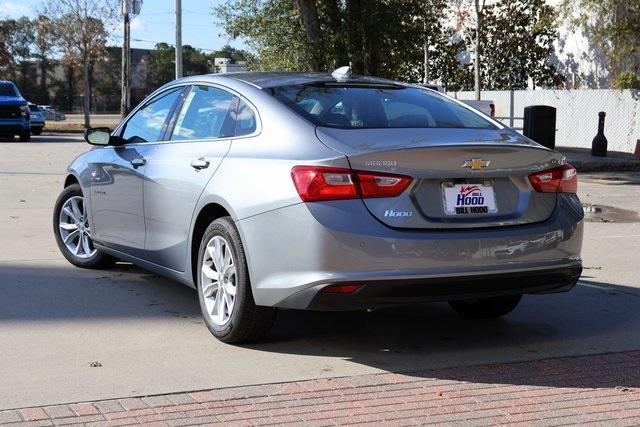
14, 112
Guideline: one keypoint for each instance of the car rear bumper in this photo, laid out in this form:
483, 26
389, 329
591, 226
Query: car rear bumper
295, 252
372, 294
13, 126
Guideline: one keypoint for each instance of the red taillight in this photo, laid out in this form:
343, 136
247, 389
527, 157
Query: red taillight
315, 183
322, 183
563, 179
344, 288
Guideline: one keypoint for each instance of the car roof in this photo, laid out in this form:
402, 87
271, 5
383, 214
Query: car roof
267, 79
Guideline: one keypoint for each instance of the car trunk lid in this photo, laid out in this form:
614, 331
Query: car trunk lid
462, 178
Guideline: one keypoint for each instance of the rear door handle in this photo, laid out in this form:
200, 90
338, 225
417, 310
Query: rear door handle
137, 162
200, 163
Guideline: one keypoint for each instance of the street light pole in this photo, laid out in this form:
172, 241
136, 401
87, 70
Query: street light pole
126, 61
178, 39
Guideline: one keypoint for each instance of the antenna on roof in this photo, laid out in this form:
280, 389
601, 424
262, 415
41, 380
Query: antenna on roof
342, 74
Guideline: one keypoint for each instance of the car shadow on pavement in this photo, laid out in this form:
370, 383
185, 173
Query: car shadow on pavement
425, 340
55, 291
49, 139
594, 318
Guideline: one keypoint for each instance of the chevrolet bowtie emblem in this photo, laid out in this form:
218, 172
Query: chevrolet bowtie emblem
475, 164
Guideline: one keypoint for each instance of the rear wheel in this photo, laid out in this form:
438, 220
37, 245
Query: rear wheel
25, 137
224, 288
72, 231
486, 308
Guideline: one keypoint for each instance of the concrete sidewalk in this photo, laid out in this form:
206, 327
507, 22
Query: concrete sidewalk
601, 389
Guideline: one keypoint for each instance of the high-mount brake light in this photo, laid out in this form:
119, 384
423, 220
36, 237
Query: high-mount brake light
317, 183
563, 179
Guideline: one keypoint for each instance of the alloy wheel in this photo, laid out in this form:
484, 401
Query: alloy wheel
74, 228
218, 280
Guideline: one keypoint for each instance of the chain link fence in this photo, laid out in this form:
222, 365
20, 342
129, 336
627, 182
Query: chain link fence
577, 113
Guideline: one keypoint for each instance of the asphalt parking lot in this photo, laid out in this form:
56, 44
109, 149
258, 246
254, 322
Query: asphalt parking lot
69, 335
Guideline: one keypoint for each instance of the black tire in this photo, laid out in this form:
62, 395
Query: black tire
486, 308
97, 260
36, 131
25, 137
247, 321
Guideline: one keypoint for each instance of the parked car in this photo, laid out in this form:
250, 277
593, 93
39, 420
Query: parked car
51, 114
324, 192
14, 112
484, 106
36, 120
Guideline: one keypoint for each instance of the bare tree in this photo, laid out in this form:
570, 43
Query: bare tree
81, 27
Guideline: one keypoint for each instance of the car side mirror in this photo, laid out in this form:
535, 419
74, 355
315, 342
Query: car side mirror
101, 136
97, 136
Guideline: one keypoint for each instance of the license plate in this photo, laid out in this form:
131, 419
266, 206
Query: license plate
468, 199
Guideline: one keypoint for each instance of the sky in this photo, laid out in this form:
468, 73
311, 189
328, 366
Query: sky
156, 23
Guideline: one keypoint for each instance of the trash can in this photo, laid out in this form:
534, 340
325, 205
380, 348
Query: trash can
540, 124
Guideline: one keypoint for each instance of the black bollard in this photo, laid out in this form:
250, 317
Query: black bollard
599, 144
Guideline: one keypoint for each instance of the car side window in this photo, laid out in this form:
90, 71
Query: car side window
245, 119
205, 114
148, 123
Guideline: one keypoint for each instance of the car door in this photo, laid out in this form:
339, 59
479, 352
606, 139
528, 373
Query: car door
117, 182
179, 169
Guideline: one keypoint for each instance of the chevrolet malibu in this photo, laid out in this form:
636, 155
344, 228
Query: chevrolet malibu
324, 192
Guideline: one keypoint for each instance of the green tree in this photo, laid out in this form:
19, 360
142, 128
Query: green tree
614, 26
409, 40
17, 39
517, 42
271, 28
452, 66
162, 63
236, 55
107, 83
377, 37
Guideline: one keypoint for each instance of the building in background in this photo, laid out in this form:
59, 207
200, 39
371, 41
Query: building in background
226, 65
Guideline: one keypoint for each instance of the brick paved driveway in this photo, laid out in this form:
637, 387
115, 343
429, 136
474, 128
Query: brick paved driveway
579, 390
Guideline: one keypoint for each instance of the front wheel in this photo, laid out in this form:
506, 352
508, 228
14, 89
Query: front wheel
486, 308
224, 289
25, 137
72, 231
36, 131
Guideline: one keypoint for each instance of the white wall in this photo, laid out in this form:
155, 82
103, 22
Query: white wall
577, 113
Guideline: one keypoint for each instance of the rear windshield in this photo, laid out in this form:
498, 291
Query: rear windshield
7, 89
367, 107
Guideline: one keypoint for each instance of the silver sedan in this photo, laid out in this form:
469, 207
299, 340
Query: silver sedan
322, 191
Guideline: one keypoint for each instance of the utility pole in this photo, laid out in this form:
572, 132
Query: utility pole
129, 8
178, 39
126, 60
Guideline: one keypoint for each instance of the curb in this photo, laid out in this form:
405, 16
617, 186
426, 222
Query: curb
606, 167
54, 131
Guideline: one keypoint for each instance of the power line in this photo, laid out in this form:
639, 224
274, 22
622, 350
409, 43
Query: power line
159, 41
